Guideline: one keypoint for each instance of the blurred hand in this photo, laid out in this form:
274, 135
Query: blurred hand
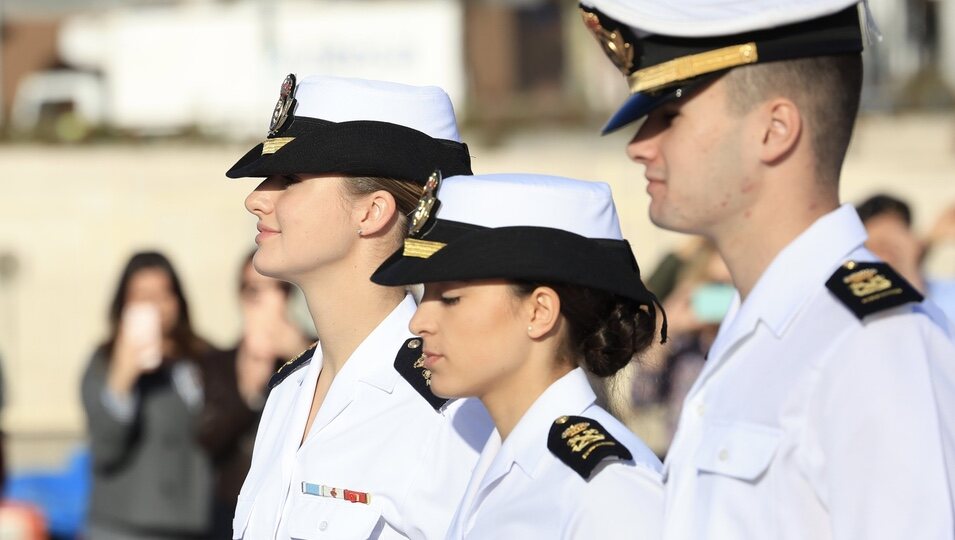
138, 347
267, 324
681, 318
892, 241
944, 228
254, 367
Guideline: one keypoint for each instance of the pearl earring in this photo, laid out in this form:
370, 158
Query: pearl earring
530, 328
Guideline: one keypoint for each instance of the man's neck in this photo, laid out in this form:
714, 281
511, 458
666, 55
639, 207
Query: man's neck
750, 243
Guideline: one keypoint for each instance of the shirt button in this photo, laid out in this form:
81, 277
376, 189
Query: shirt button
700, 409
724, 455
323, 525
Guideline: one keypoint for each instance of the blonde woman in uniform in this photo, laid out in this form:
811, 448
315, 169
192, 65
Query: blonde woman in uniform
346, 447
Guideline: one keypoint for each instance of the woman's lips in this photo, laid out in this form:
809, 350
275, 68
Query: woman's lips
430, 359
264, 232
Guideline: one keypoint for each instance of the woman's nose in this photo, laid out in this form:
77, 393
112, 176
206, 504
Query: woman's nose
260, 201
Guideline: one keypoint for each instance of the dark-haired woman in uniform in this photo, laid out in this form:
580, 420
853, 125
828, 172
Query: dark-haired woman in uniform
528, 285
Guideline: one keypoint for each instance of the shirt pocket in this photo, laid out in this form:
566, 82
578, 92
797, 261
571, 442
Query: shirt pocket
321, 517
740, 450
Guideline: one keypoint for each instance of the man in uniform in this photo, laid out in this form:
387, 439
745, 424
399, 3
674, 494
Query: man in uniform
826, 408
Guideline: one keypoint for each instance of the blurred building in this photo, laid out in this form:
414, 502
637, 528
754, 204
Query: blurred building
165, 66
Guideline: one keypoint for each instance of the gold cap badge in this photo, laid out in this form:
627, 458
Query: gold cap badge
284, 106
617, 48
428, 202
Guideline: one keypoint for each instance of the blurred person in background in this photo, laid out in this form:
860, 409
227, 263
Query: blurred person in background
143, 398
235, 383
348, 445
700, 297
888, 222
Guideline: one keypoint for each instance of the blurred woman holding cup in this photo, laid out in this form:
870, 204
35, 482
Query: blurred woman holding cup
143, 399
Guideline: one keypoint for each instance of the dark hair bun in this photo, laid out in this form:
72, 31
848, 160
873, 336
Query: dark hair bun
605, 331
619, 331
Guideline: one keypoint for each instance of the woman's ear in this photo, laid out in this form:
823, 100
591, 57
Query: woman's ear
543, 308
782, 129
375, 212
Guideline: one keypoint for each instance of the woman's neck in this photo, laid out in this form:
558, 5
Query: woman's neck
509, 400
345, 309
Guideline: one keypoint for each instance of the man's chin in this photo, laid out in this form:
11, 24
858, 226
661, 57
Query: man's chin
664, 222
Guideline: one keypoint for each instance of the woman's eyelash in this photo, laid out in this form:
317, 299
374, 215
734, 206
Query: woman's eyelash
450, 300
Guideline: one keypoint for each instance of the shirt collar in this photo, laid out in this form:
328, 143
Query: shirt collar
801, 268
527, 443
373, 361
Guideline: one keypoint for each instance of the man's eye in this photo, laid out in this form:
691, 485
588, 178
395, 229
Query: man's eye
450, 300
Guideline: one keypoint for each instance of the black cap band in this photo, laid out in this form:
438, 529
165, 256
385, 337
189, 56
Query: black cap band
354, 148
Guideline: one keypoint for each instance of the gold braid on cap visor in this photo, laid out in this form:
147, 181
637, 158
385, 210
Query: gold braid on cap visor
421, 249
694, 65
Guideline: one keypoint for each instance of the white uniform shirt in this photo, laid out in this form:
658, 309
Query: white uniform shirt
807, 423
374, 434
520, 490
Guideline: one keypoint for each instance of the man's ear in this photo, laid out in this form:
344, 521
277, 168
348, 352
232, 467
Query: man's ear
543, 308
374, 212
782, 128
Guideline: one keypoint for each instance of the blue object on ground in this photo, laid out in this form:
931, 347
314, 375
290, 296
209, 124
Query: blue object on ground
60, 495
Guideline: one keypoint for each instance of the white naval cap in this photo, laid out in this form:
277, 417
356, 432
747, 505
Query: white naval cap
355, 127
666, 49
427, 109
535, 200
705, 18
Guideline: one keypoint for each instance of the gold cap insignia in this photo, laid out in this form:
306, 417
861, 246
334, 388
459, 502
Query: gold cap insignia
613, 42
284, 106
426, 204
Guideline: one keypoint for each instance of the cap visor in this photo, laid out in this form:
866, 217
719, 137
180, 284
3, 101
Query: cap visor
639, 105
636, 107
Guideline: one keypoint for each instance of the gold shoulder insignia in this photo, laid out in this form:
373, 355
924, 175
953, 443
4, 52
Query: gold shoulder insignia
582, 443
869, 287
293, 365
409, 363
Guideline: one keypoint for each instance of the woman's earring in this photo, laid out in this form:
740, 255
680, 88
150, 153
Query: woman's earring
359, 232
530, 329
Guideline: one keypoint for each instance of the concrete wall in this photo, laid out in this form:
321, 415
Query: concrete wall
71, 217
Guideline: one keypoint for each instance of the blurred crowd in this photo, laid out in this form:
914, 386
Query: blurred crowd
172, 419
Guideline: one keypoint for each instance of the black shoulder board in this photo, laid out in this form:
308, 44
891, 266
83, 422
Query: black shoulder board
293, 365
868, 287
410, 364
583, 443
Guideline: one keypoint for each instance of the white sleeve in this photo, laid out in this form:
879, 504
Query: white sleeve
620, 502
876, 441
